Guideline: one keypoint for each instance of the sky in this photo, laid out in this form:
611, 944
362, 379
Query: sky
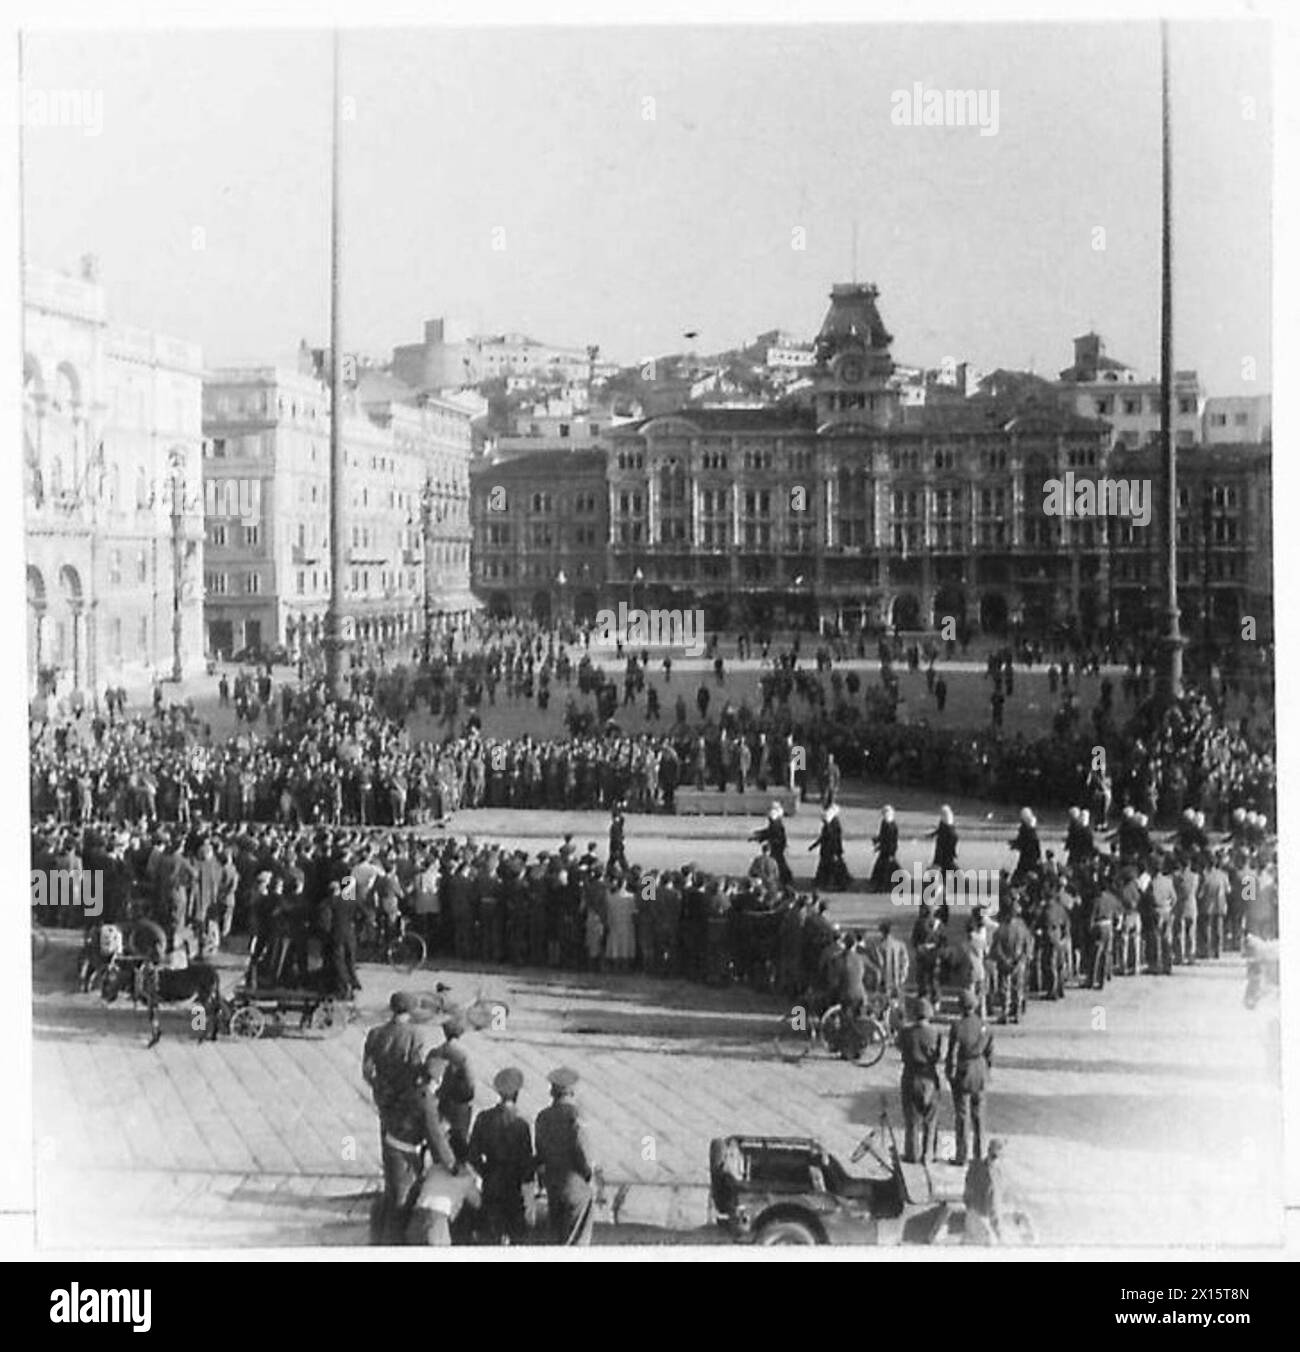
649, 182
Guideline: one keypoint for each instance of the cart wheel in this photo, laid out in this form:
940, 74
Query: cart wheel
247, 1021
794, 1036
327, 1018
487, 1014
406, 952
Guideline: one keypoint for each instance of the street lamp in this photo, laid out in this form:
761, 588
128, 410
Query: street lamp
176, 466
431, 515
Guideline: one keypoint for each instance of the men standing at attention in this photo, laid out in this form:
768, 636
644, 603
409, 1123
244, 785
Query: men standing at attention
920, 1046
1186, 885
501, 1150
1164, 897
969, 1060
563, 1164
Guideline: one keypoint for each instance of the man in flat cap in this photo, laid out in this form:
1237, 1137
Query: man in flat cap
563, 1163
501, 1150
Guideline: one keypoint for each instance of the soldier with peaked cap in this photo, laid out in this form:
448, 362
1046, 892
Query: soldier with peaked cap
501, 1150
455, 1083
919, 1044
392, 1065
970, 1056
563, 1163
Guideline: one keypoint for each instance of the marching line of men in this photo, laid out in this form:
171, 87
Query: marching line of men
446, 1181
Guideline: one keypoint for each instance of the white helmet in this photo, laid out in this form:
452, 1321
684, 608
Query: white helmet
1027, 817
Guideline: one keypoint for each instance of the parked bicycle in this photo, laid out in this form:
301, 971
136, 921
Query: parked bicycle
393, 941
483, 1011
860, 1038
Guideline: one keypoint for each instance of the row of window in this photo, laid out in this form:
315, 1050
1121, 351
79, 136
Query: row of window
584, 504
502, 570
1131, 405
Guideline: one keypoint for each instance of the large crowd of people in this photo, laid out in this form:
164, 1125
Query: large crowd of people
294, 834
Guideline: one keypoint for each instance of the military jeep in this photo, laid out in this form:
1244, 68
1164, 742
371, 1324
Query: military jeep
791, 1190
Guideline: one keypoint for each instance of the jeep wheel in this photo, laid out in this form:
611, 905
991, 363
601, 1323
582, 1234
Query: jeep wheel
786, 1231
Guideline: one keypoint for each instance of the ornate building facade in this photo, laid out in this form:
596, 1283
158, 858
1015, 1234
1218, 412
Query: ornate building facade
848, 507
112, 492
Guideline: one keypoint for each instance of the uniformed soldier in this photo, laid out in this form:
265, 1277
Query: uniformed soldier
563, 1165
501, 1150
1054, 925
444, 1186
456, 1087
920, 1046
985, 1197
392, 1065
970, 1058
927, 944
1106, 910
1012, 945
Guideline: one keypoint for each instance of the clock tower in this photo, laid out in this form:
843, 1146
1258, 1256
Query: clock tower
851, 377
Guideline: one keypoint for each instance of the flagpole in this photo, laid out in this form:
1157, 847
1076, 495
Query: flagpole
1171, 686
334, 640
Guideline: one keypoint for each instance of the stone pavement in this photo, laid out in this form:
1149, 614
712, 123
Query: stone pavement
1148, 1115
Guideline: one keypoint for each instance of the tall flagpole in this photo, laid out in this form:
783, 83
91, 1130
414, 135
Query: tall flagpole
334, 640
1171, 683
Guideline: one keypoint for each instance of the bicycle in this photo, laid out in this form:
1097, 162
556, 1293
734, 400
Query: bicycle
396, 943
861, 1039
481, 1012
